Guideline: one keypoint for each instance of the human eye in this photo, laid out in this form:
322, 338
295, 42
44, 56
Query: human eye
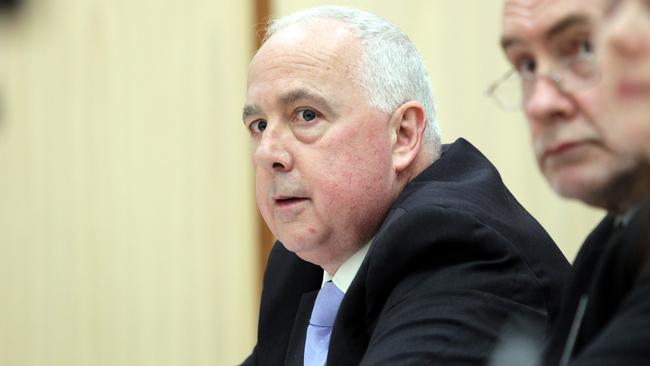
522, 59
257, 126
307, 115
585, 47
577, 45
525, 66
577, 54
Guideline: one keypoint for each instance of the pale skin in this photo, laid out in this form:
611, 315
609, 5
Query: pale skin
570, 146
624, 44
328, 165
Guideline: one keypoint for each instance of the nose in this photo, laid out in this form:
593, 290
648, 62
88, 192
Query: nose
545, 102
271, 152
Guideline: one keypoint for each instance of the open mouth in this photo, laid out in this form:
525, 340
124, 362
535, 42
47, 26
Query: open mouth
288, 201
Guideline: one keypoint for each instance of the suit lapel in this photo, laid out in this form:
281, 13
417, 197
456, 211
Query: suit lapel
568, 332
296, 347
286, 280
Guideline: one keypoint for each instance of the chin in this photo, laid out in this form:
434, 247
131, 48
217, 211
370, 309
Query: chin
301, 240
574, 192
588, 188
296, 244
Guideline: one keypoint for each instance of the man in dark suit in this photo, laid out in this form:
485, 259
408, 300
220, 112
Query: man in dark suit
393, 250
605, 318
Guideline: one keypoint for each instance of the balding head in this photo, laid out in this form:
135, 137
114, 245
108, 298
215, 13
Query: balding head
329, 161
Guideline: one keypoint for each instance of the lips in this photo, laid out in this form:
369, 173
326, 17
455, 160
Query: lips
288, 208
286, 201
560, 148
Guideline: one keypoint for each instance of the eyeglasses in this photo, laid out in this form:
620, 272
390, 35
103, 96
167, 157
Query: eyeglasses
573, 73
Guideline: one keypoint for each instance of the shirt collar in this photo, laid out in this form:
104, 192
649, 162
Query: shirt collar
348, 270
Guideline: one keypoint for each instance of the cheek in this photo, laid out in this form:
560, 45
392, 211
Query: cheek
262, 195
591, 104
535, 133
362, 151
634, 130
358, 171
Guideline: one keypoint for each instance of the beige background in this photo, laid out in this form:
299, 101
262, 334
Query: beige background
127, 221
126, 215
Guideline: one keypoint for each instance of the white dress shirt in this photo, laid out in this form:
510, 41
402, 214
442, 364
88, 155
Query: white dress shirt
345, 274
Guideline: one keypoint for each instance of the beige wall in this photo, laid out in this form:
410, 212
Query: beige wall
459, 42
127, 226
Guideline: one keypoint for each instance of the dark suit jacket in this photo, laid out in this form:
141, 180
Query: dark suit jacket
611, 272
455, 258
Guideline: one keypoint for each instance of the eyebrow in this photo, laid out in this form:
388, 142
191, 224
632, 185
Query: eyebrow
566, 23
304, 94
507, 42
559, 27
249, 110
289, 98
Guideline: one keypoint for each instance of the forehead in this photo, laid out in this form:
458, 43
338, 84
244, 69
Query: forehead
322, 54
532, 20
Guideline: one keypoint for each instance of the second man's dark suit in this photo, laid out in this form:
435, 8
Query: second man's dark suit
454, 260
611, 278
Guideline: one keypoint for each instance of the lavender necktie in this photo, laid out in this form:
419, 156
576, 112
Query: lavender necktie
320, 324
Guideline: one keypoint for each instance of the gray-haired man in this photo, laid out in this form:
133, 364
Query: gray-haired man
393, 249
604, 318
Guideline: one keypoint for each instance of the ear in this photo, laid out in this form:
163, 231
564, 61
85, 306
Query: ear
408, 123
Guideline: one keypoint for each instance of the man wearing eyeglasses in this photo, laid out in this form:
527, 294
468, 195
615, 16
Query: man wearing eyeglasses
555, 79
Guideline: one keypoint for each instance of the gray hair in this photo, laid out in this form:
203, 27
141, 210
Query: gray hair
392, 71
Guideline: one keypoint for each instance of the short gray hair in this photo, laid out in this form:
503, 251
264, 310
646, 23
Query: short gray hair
392, 71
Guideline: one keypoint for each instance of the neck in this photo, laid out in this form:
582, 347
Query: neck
421, 162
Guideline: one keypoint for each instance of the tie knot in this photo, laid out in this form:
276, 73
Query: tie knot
327, 305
